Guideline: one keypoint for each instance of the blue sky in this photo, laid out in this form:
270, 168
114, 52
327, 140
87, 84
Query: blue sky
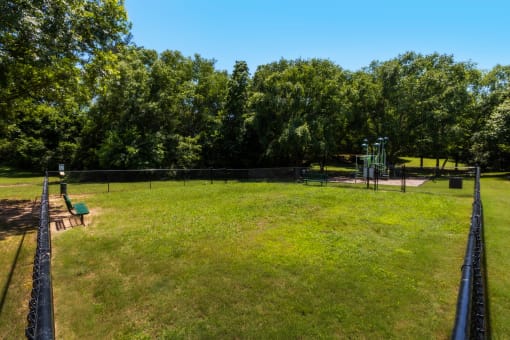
349, 33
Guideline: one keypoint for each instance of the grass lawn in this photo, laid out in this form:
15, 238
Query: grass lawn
260, 260
255, 260
428, 162
17, 248
495, 193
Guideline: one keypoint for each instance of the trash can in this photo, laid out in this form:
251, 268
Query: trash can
63, 188
455, 182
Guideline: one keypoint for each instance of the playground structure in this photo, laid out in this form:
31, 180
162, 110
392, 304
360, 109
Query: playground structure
373, 163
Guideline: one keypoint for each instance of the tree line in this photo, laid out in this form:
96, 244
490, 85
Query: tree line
75, 89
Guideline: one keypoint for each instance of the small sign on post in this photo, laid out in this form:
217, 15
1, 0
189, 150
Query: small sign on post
61, 171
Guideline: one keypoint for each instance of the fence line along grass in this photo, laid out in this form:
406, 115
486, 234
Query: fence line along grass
260, 260
496, 200
17, 247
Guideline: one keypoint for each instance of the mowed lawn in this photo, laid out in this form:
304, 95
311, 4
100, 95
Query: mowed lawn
495, 192
260, 260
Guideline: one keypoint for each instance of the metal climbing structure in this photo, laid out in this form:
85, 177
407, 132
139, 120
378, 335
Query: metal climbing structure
374, 160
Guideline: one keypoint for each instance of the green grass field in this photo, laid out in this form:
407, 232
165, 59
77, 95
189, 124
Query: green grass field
259, 260
495, 192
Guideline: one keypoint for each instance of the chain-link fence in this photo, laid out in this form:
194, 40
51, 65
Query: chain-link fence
210, 175
106, 180
393, 179
40, 315
396, 178
471, 321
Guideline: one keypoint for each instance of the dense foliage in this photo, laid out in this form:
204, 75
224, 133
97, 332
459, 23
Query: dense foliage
74, 89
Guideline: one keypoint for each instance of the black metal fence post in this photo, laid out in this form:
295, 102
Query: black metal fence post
403, 178
368, 177
376, 178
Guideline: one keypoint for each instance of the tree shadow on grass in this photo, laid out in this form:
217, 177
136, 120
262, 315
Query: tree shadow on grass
9, 172
17, 217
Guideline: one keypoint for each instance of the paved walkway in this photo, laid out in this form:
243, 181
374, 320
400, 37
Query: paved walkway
411, 182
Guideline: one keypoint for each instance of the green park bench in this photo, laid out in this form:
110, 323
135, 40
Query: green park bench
315, 177
77, 209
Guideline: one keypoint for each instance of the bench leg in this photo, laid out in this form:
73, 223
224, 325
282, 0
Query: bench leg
59, 224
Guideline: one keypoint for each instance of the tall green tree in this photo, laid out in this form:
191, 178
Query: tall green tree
122, 128
300, 110
364, 92
234, 115
189, 96
44, 49
423, 104
488, 141
497, 129
207, 103
153, 110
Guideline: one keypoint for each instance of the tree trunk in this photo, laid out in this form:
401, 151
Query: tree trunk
323, 161
444, 163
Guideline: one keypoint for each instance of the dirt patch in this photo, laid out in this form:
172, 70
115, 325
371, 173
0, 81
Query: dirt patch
18, 217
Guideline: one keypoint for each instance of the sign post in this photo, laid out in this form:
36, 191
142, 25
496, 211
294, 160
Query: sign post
63, 185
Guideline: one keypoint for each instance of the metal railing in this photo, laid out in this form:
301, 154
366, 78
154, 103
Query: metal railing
211, 174
471, 320
40, 315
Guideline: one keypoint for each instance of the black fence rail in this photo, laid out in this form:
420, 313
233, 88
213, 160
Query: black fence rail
471, 320
413, 171
40, 315
344, 177
212, 175
252, 174
439, 172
